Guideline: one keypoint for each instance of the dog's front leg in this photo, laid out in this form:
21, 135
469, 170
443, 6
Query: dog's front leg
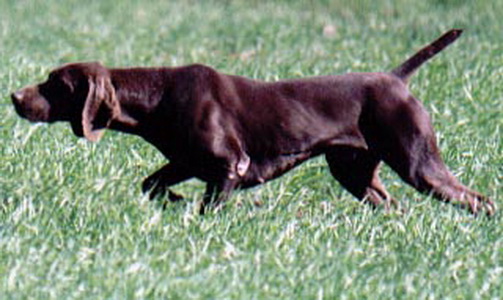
158, 182
216, 194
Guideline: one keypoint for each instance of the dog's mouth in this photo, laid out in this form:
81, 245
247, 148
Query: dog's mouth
32, 108
18, 108
32, 114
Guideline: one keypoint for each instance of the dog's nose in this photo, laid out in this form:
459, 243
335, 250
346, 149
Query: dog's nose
17, 96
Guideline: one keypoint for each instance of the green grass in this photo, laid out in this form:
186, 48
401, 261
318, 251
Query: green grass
73, 222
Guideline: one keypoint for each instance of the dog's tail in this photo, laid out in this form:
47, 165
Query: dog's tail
406, 69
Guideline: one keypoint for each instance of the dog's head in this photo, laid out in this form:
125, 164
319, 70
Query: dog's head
80, 93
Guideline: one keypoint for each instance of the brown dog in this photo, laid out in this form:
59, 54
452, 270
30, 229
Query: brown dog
234, 132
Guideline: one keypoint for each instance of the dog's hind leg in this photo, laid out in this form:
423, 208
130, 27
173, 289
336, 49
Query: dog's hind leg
403, 136
357, 171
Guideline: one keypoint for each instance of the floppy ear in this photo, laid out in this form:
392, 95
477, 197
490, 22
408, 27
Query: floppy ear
101, 105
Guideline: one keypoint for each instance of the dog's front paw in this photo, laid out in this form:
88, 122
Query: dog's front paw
174, 197
149, 183
154, 185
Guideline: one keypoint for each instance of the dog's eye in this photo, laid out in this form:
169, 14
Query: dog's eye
54, 87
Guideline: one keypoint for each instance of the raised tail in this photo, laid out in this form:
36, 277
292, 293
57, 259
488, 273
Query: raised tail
406, 69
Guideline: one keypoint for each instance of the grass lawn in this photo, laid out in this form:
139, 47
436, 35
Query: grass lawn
73, 221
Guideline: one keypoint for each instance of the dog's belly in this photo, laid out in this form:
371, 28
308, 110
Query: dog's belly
263, 170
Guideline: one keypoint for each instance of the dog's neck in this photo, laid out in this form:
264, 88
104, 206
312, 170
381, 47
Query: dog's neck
132, 87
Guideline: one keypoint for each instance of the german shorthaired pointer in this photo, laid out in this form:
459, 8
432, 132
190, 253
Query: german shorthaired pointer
233, 132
